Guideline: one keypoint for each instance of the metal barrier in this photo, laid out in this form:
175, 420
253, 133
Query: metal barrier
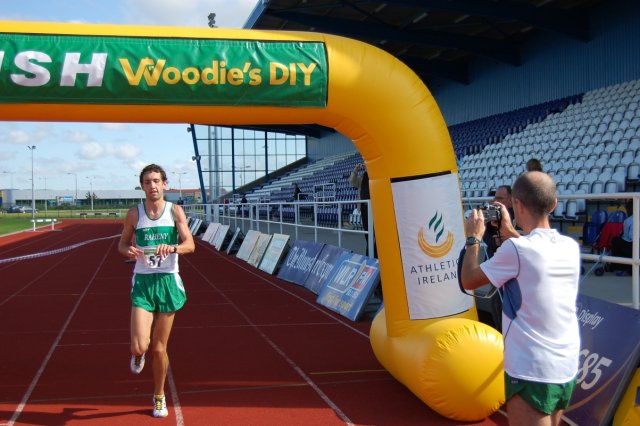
312, 215
316, 216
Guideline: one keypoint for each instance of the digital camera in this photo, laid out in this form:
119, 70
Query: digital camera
491, 213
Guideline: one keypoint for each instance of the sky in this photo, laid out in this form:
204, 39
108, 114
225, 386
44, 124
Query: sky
106, 155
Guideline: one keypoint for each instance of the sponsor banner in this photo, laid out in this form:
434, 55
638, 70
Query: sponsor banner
195, 226
220, 237
299, 261
155, 71
322, 267
610, 352
350, 285
248, 243
211, 229
258, 251
60, 200
274, 253
236, 239
431, 233
214, 231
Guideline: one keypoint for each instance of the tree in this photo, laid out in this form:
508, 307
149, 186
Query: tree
212, 20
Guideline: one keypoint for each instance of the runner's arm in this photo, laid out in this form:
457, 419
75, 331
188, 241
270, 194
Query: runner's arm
126, 246
186, 244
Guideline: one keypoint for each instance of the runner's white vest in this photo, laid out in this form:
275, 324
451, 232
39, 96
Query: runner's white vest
149, 234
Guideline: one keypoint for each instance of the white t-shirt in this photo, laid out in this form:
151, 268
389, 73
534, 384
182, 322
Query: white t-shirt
539, 275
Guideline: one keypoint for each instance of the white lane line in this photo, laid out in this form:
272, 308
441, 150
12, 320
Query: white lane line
174, 396
341, 414
339, 320
47, 358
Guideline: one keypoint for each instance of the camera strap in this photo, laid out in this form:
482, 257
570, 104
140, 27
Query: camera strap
489, 294
460, 260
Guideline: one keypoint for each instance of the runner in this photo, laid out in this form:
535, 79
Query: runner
150, 235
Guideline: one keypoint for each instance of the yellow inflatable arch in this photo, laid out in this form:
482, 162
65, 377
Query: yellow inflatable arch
427, 336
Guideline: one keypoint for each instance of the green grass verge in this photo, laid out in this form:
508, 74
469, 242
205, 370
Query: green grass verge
9, 223
13, 222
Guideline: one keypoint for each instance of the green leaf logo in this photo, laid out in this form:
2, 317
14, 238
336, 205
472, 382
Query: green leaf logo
436, 225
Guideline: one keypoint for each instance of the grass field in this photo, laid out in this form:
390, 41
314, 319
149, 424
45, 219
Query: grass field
13, 222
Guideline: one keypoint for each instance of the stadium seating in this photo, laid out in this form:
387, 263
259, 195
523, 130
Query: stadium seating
589, 143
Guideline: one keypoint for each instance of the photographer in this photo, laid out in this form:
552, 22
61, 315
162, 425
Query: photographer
538, 274
493, 237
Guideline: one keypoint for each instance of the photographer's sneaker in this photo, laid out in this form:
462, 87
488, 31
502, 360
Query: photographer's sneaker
137, 363
160, 406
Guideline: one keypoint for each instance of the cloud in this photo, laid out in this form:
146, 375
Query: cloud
117, 127
4, 155
94, 150
91, 151
18, 137
77, 137
188, 13
127, 152
138, 165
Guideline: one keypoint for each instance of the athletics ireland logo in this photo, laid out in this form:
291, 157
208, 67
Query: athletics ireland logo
436, 230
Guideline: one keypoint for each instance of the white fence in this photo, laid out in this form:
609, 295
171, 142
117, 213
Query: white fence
276, 217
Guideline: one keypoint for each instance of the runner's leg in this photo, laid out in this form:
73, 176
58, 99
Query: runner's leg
556, 417
161, 332
521, 413
141, 322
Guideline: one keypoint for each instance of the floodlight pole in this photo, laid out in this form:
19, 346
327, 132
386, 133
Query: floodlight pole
75, 200
46, 198
91, 189
33, 187
180, 180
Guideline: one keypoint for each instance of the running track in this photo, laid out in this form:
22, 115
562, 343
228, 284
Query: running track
247, 349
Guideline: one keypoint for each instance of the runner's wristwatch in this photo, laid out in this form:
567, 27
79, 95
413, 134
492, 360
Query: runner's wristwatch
472, 241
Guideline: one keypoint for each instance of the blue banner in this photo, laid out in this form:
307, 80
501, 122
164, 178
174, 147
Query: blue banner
610, 353
299, 261
323, 267
350, 285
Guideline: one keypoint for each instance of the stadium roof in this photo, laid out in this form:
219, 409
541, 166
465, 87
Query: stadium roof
436, 38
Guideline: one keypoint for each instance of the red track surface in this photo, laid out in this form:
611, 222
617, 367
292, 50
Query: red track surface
247, 349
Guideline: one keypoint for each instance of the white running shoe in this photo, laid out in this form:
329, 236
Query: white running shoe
160, 406
137, 364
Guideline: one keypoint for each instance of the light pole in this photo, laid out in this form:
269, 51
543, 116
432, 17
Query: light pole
46, 199
241, 172
180, 180
75, 200
33, 187
91, 178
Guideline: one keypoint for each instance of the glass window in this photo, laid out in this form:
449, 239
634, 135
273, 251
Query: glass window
251, 161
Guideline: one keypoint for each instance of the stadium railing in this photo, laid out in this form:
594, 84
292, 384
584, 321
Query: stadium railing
272, 217
316, 216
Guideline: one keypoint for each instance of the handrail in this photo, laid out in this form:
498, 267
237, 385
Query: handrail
634, 261
263, 213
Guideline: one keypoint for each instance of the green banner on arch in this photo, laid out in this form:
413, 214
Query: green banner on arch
141, 70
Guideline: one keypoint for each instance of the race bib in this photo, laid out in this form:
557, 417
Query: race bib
151, 259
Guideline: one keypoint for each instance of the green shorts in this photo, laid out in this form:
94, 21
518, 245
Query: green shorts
158, 292
544, 397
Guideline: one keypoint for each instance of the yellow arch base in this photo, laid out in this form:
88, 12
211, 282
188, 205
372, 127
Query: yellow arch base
453, 365
628, 412
372, 98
